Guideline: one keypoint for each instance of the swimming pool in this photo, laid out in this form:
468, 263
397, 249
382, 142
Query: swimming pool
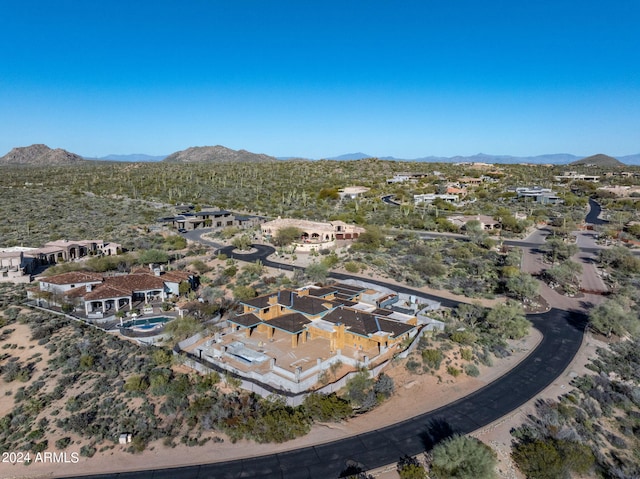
145, 324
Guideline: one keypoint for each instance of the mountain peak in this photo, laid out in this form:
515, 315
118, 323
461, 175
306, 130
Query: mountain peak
598, 160
217, 154
39, 155
351, 156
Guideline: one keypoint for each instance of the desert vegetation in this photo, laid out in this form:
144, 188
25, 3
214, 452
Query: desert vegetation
593, 429
84, 387
72, 384
107, 199
472, 338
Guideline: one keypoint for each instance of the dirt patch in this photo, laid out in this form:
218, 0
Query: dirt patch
17, 345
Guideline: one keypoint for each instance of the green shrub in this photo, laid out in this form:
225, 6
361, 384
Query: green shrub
136, 383
463, 457
453, 371
463, 337
472, 370
412, 365
466, 354
352, 267
63, 442
432, 358
321, 407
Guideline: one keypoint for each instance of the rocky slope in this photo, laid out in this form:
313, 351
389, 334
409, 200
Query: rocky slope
39, 155
598, 160
218, 154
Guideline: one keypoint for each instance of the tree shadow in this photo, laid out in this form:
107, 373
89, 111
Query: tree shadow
577, 319
436, 431
354, 470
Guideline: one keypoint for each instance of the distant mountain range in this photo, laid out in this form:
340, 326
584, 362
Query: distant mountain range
553, 159
133, 158
42, 155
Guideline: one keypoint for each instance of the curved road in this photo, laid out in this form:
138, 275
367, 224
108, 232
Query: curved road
562, 336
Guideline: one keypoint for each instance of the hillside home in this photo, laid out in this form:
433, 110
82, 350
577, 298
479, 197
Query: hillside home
313, 231
64, 250
327, 313
100, 294
352, 192
487, 223
402, 177
538, 194
431, 197
574, 176
15, 267
216, 219
621, 191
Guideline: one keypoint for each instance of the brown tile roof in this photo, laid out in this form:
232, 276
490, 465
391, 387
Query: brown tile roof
321, 292
176, 276
141, 271
306, 304
105, 291
247, 320
78, 292
260, 302
366, 324
291, 323
135, 282
73, 277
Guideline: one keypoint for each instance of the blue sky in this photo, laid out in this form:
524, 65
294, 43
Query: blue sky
318, 79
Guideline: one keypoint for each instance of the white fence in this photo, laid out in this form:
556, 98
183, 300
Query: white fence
292, 386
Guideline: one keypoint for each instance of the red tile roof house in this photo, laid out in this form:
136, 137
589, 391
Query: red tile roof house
102, 295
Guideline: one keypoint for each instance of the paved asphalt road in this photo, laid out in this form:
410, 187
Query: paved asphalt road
562, 335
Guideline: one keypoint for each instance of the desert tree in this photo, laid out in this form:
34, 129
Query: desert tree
463, 457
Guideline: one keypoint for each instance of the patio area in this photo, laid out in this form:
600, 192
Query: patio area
259, 353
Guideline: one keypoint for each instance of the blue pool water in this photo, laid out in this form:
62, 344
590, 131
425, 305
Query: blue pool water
145, 323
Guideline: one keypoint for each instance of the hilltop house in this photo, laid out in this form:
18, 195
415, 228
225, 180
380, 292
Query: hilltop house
312, 338
102, 295
18, 263
575, 176
314, 233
